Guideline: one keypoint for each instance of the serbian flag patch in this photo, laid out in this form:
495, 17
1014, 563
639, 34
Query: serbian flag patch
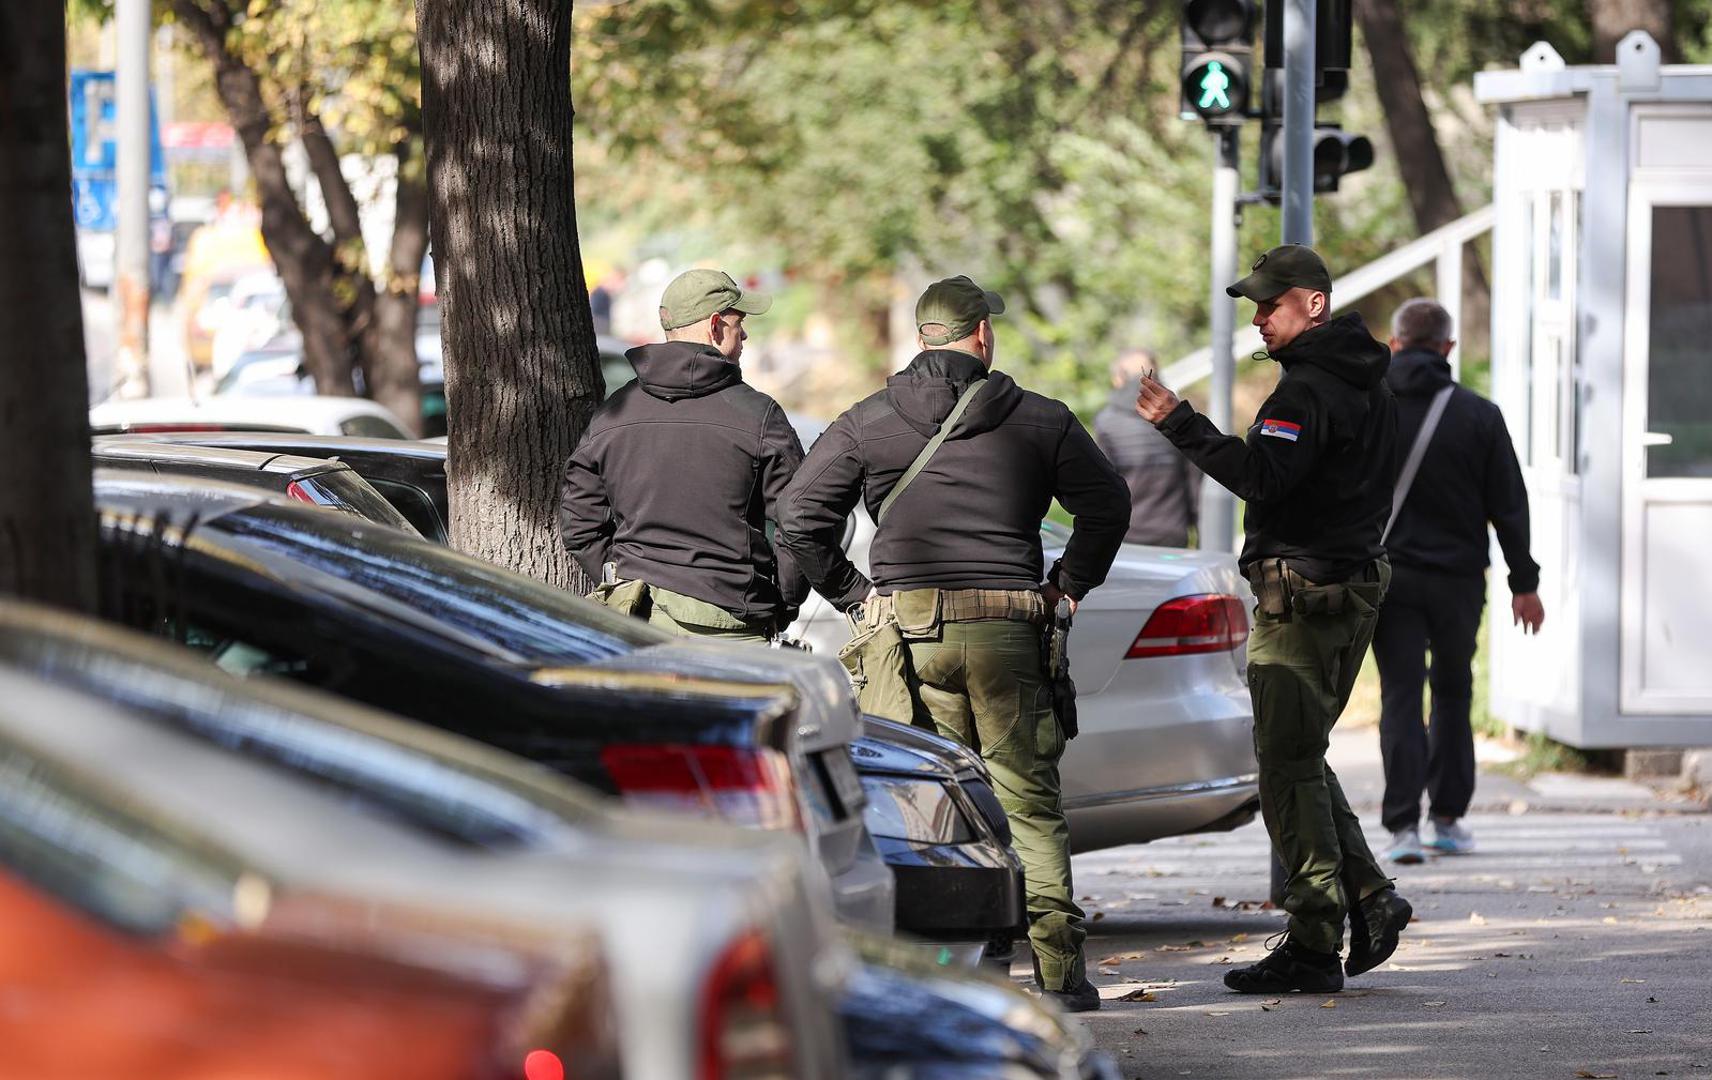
1281, 429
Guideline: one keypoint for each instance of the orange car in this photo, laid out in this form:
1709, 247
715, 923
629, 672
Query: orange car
134, 945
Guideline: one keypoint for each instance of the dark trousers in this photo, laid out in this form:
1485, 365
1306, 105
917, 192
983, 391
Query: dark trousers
1424, 612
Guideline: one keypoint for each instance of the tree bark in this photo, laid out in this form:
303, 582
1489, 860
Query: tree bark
1613, 18
47, 515
304, 260
521, 373
390, 361
1432, 196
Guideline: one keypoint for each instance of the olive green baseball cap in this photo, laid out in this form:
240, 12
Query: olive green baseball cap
1287, 266
958, 305
695, 294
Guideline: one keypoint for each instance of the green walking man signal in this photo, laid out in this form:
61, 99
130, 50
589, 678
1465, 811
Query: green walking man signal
1214, 83
1216, 76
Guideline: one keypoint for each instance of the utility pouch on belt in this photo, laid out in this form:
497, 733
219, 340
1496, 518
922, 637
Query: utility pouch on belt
626, 597
878, 661
1311, 598
919, 612
1271, 590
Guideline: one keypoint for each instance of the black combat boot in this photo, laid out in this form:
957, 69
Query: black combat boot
1373, 929
1083, 998
1290, 966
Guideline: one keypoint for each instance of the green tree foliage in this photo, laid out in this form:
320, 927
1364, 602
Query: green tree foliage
1035, 146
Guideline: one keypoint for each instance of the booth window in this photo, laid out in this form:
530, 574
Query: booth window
1679, 390
1551, 224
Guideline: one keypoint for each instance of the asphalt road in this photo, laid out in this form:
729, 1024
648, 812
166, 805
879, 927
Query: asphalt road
1577, 942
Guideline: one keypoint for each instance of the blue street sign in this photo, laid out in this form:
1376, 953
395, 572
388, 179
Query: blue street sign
94, 152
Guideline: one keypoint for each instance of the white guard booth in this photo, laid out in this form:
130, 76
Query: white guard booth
1602, 363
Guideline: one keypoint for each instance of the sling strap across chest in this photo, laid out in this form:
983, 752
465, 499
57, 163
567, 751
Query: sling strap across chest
1417, 451
932, 446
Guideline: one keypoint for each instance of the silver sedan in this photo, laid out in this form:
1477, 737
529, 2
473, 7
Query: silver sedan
1158, 654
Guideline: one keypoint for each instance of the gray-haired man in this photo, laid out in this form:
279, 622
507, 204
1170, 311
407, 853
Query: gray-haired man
1163, 486
1467, 477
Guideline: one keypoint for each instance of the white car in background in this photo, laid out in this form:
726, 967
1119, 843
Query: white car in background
306, 414
1159, 656
254, 313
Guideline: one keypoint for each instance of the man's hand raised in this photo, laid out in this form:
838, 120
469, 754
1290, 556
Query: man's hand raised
1155, 402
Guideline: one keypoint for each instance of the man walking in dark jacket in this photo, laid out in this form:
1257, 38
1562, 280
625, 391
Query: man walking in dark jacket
1163, 486
957, 557
1316, 471
667, 497
1467, 477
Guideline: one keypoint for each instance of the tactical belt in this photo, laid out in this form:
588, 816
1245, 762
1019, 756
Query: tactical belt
919, 608
1281, 592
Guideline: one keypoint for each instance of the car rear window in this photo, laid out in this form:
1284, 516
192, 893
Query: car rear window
343, 489
475, 597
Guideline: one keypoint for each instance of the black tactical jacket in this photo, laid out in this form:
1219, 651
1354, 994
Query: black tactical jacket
1468, 477
676, 478
971, 519
1318, 465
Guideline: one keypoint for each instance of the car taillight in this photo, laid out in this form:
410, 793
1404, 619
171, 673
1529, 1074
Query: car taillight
744, 1035
1192, 624
750, 787
543, 1065
299, 492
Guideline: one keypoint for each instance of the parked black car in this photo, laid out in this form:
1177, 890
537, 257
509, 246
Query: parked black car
315, 480
930, 804
267, 585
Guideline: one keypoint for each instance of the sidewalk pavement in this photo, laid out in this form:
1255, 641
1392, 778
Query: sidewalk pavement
1574, 942
1354, 756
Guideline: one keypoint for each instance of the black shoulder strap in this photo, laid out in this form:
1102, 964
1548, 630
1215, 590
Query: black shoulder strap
928, 451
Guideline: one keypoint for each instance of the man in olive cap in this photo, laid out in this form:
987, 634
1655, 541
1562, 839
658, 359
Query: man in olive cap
1317, 471
957, 559
666, 500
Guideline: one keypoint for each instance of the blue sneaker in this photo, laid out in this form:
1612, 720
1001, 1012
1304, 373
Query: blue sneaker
1449, 838
1405, 847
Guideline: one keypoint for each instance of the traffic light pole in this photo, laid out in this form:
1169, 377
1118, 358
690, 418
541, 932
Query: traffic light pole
1217, 529
1299, 121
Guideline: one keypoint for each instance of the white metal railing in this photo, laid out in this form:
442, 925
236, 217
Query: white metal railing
1443, 246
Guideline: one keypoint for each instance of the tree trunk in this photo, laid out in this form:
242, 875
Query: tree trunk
304, 260
1613, 18
47, 516
353, 288
521, 374
390, 360
1432, 196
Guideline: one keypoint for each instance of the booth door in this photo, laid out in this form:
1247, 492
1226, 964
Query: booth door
1667, 483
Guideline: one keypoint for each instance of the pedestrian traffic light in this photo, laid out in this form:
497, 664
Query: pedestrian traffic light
1336, 153
1218, 51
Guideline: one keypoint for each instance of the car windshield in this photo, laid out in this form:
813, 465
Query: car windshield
474, 597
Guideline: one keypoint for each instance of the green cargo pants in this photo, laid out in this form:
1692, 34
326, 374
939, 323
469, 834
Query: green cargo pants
981, 683
680, 614
1301, 669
